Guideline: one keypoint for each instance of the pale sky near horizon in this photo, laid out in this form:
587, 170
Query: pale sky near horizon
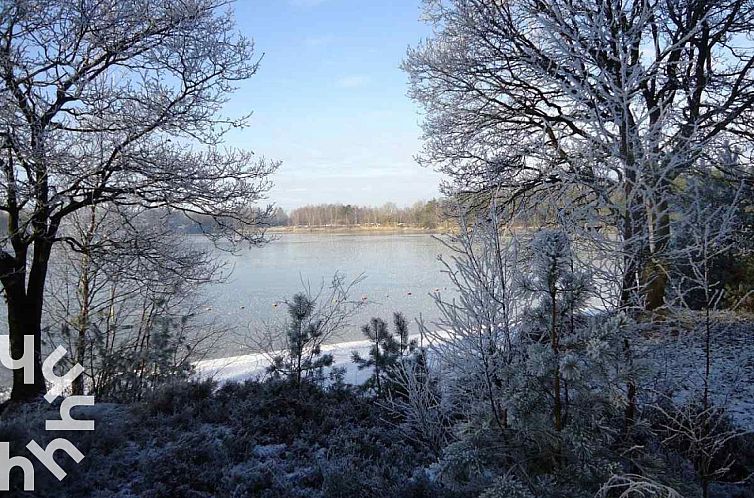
330, 101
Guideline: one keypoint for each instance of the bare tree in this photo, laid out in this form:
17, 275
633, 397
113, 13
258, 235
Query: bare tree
115, 102
128, 276
700, 427
603, 103
475, 332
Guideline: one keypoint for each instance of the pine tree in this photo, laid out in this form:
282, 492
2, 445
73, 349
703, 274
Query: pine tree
558, 293
385, 351
303, 355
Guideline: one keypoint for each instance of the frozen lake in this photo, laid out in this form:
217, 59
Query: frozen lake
400, 271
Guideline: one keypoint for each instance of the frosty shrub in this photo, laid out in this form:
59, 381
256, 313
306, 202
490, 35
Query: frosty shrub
473, 339
507, 487
125, 301
138, 363
631, 485
712, 242
417, 402
386, 351
535, 386
295, 346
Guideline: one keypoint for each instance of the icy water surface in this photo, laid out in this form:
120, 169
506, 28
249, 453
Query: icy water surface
400, 271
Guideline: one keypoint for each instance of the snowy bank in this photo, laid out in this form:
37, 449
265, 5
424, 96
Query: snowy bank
252, 366
679, 359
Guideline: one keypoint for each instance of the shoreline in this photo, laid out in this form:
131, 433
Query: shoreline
253, 365
358, 229
682, 354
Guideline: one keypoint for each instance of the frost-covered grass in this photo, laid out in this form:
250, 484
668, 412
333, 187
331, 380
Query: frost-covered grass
677, 355
235, 436
238, 440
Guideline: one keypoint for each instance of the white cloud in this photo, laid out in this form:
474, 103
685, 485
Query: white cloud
353, 81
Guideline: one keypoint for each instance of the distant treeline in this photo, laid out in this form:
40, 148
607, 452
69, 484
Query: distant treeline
429, 214
423, 214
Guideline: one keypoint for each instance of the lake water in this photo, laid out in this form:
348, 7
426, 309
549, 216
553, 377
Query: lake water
400, 271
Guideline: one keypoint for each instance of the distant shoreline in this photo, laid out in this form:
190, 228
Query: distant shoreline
357, 229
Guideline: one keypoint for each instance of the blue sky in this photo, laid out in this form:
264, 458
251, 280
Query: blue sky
330, 101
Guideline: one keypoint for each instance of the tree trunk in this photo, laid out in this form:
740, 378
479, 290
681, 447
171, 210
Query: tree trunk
634, 221
655, 271
84, 293
656, 282
25, 318
77, 387
630, 412
21, 323
558, 415
377, 360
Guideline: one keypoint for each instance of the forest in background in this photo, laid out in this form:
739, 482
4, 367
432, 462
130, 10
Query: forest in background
422, 214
